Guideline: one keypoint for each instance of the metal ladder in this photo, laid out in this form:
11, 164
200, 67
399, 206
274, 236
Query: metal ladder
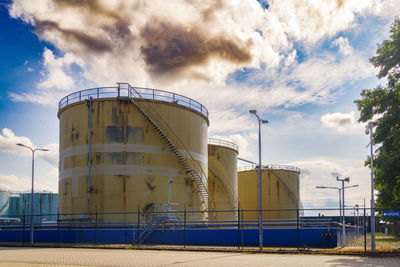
235, 199
184, 157
294, 197
152, 225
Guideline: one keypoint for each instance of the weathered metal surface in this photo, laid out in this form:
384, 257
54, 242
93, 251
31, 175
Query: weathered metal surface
280, 190
130, 163
223, 181
4, 201
44, 209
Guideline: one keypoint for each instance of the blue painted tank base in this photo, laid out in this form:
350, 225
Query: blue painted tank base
310, 237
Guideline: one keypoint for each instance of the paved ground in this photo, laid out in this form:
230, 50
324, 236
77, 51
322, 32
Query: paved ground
122, 257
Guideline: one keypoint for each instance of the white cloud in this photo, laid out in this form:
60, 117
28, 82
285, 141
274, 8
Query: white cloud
290, 59
111, 39
342, 122
344, 46
55, 76
56, 83
242, 141
323, 172
9, 141
14, 183
23, 184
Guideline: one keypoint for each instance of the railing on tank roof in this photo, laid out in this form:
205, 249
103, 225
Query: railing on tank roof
270, 166
146, 93
218, 142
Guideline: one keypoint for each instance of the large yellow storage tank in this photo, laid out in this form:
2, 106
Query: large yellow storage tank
222, 179
280, 192
140, 141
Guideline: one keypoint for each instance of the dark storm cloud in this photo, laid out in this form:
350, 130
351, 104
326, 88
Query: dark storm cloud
91, 43
169, 47
89, 6
96, 13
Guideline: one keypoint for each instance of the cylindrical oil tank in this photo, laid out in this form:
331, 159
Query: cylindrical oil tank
147, 147
280, 192
15, 209
44, 206
222, 180
4, 201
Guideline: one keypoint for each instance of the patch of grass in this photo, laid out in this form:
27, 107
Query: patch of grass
382, 242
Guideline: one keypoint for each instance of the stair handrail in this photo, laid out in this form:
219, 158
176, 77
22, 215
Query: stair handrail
133, 93
169, 132
226, 185
294, 196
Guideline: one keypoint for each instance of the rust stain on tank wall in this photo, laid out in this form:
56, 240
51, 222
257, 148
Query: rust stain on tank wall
99, 157
147, 207
74, 136
149, 183
277, 188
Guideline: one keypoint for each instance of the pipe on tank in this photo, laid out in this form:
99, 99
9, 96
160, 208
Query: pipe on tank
90, 150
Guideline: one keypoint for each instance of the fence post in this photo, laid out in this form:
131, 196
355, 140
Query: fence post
238, 228
138, 226
242, 229
23, 229
96, 227
184, 228
297, 228
58, 223
365, 231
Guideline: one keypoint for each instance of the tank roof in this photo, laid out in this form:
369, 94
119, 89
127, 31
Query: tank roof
218, 142
270, 167
124, 90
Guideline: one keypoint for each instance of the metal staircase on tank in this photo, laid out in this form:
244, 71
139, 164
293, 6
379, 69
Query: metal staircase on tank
158, 216
294, 197
191, 166
235, 199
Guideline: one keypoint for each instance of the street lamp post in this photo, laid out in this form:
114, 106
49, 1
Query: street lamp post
369, 131
341, 205
260, 216
340, 198
347, 179
33, 173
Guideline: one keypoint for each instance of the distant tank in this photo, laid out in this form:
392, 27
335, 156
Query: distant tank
280, 192
45, 206
4, 202
15, 209
222, 179
122, 148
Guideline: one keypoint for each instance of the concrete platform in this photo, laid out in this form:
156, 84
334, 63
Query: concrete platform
37, 256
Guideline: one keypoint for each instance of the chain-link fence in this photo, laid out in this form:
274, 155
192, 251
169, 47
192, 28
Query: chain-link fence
174, 225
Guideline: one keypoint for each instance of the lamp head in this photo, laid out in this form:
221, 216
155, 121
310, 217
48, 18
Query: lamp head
253, 111
264, 121
367, 129
19, 144
43, 149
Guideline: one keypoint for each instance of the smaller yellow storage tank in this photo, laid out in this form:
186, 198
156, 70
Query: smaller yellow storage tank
280, 192
222, 180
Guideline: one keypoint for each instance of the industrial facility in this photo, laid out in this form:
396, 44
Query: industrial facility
18, 205
136, 166
126, 149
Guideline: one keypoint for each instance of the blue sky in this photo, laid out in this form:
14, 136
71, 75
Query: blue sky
300, 63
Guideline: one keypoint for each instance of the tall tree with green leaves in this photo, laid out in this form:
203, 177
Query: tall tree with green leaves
381, 105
